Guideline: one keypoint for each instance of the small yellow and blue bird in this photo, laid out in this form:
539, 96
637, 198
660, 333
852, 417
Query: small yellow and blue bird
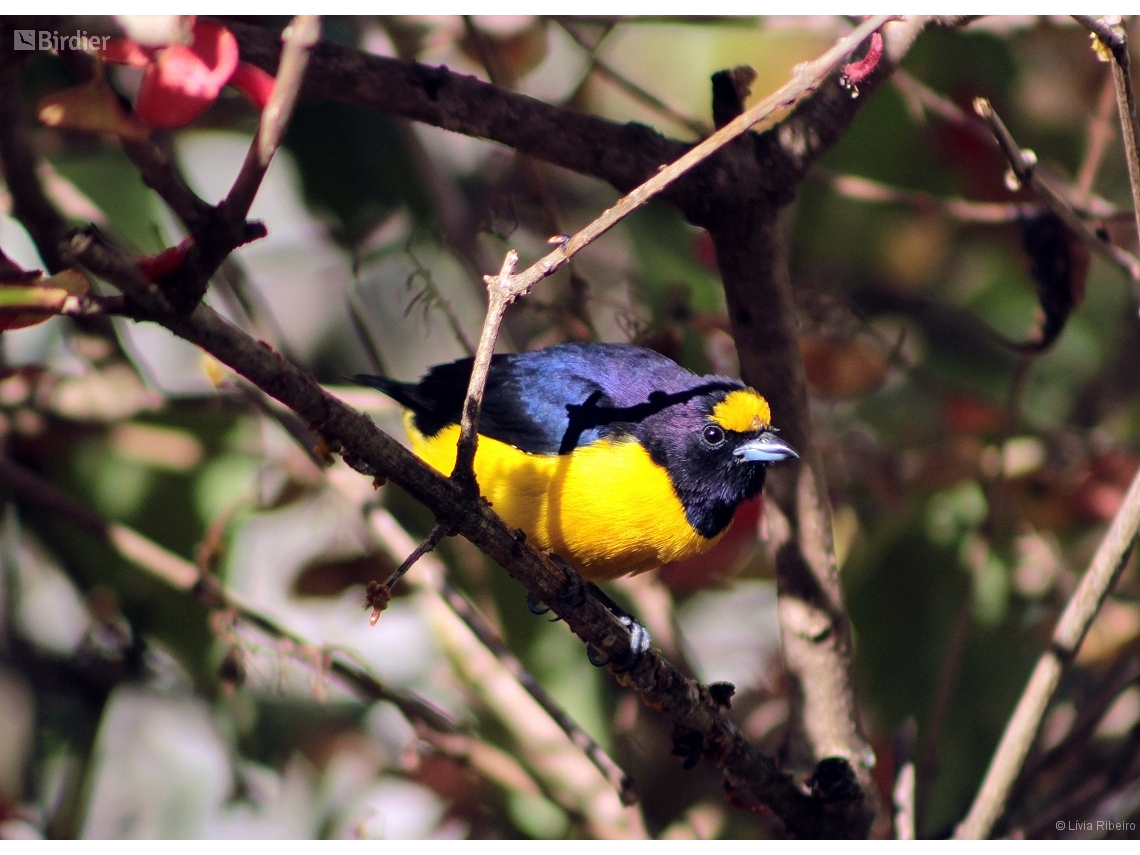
611, 456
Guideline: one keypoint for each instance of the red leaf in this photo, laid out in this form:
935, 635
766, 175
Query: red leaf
183, 82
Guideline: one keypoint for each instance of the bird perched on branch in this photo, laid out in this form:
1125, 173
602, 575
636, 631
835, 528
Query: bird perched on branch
611, 456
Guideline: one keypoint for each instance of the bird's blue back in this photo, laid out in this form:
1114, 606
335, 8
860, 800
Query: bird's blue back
552, 400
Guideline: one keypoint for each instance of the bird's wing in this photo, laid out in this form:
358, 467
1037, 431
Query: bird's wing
526, 404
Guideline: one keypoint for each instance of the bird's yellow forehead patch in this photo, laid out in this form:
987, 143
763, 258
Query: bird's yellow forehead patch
743, 411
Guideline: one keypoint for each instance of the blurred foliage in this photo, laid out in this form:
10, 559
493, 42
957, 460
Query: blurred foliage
971, 484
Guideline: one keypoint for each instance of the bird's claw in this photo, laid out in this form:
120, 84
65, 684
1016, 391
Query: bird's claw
639, 641
535, 605
576, 595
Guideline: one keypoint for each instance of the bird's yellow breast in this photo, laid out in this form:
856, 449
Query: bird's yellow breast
607, 508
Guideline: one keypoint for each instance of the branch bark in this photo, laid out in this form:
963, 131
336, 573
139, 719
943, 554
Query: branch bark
1114, 37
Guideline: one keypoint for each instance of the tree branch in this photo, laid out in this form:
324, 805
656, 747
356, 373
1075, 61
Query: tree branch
1115, 38
752, 258
297, 40
1104, 570
1023, 165
30, 205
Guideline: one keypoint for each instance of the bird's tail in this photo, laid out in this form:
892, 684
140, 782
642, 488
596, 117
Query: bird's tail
401, 393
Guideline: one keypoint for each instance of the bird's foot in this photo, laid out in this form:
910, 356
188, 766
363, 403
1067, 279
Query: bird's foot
571, 599
639, 638
576, 595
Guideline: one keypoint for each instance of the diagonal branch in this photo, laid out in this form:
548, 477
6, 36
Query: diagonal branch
297, 40
1104, 570
1023, 164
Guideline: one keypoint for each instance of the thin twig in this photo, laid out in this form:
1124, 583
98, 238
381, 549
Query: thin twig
185, 576
604, 69
30, 205
500, 296
867, 190
923, 98
926, 99
379, 594
1100, 134
297, 39
1114, 37
1105, 568
432, 298
1024, 167
360, 327
903, 795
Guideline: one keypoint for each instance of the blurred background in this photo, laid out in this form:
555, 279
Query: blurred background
970, 482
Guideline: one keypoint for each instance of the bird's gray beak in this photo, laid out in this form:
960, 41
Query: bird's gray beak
766, 448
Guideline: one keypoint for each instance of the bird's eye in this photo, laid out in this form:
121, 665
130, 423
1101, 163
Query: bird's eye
712, 435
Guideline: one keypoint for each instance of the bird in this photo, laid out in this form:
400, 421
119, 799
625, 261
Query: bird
611, 456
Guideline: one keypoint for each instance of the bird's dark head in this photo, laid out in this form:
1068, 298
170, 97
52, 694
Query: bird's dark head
716, 448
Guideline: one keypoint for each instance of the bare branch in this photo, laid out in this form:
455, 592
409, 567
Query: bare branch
867, 190
608, 72
502, 291
1114, 37
298, 38
1024, 167
379, 593
30, 204
1104, 570
1100, 134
